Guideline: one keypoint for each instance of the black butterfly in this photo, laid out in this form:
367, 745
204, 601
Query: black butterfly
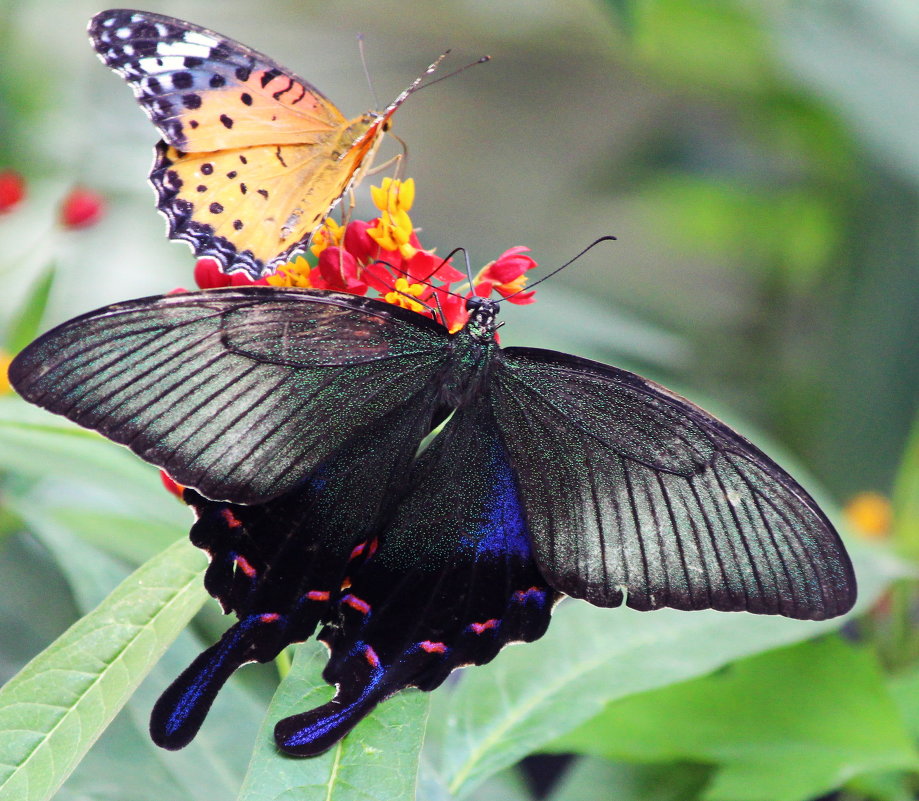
296, 417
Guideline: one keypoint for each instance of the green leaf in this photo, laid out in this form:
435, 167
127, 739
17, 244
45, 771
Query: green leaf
626, 782
28, 323
88, 483
214, 763
102, 519
885, 786
787, 725
53, 710
378, 761
121, 766
531, 695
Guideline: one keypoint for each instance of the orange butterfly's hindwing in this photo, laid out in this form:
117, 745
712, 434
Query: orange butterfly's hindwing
253, 157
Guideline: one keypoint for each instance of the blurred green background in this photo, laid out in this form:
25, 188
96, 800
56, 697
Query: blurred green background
758, 161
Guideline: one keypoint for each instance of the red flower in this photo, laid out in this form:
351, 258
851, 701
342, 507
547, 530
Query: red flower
12, 190
208, 275
81, 208
338, 270
386, 256
505, 275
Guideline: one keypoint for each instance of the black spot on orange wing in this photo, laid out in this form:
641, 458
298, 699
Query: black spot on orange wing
268, 76
183, 80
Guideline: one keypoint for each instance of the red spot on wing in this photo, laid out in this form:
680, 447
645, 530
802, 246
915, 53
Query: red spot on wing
356, 603
521, 595
478, 628
229, 518
433, 647
371, 656
318, 595
269, 617
243, 564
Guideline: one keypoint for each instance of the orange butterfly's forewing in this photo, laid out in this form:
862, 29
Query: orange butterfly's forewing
253, 157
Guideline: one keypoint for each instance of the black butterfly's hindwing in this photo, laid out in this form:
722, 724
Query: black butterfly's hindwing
633, 493
238, 393
280, 566
452, 583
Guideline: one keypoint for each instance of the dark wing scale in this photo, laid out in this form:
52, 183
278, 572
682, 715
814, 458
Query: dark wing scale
238, 393
452, 583
278, 566
185, 76
633, 493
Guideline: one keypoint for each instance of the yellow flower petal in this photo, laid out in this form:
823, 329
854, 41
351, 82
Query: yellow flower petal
400, 295
331, 233
393, 195
5, 386
294, 273
406, 194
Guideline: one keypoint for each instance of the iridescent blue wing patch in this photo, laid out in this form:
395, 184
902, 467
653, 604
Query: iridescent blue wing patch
452, 582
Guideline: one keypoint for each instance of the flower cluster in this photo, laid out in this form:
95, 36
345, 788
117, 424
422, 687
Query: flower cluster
385, 256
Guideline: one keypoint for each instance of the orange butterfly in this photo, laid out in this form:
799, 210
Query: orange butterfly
253, 158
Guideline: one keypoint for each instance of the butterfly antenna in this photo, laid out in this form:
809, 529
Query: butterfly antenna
360, 49
418, 83
420, 302
571, 261
465, 67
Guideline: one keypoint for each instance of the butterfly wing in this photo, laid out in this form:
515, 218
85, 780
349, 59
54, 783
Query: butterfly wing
452, 582
251, 208
633, 493
205, 92
238, 393
253, 157
279, 565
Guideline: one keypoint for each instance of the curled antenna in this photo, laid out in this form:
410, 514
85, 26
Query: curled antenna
591, 246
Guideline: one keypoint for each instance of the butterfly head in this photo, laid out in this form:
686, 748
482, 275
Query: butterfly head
482, 318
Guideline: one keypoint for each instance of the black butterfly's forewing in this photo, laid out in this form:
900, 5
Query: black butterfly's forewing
634, 493
238, 393
453, 581
279, 565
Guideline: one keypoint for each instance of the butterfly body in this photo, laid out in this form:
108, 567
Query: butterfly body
253, 157
301, 413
